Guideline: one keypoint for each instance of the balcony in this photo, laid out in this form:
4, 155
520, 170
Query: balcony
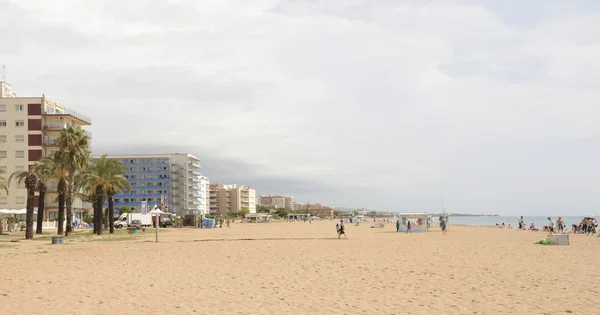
195, 202
195, 172
76, 204
194, 179
135, 163
195, 164
196, 187
148, 180
134, 195
55, 112
196, 195
165, 187
147, 172
50, 143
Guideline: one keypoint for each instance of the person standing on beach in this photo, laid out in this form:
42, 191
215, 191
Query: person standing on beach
408, 226
590, 226
550, 225
341, 229
443, 225
560, 225
521, 223
397, 225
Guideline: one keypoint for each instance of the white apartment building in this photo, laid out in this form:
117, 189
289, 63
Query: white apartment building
174, 180
226, 198
29, 127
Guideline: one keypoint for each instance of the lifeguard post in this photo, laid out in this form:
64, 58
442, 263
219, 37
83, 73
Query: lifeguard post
418, 220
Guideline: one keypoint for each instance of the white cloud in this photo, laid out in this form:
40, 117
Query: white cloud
396, 99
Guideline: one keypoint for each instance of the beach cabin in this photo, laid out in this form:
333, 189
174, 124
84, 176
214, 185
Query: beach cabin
258, 218
418, 221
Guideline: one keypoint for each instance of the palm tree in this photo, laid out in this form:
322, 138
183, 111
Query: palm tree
57, 171
30, 179
3, 186
102, 179
44, 171
74, 153
116, 182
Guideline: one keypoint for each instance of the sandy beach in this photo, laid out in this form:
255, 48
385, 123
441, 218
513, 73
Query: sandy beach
301, 268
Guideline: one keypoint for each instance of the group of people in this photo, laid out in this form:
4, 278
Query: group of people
587, 226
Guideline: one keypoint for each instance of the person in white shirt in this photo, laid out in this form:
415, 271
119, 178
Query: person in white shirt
550, 225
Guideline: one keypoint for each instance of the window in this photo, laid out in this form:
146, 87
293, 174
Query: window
2, 108
19, 154
20, 200
2, 139
2, 200
20, 123
2, 123
19, 138
19, 108
52, 215
2, 154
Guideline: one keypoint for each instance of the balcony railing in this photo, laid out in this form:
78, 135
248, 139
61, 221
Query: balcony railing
134, 195
194, 187
149, 180
66, 111
196, 195
194, 202
130, 164
155, 172
165, 187
195, 164
50, 143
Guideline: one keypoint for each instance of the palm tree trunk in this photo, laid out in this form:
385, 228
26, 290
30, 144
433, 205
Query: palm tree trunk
61, 213
99, 203
95, 206
40, 214
29, 215
70, 202
105, 219
111, 213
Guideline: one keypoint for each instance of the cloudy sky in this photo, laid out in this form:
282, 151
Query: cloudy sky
380, 104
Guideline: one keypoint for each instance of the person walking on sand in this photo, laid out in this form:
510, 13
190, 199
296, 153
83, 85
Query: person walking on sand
408, 226
550, 225
341, 229
397, 225
443, 225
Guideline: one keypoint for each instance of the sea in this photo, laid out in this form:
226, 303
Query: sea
513, 221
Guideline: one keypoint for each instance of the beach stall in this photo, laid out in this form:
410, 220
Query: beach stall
418, 221
258, 218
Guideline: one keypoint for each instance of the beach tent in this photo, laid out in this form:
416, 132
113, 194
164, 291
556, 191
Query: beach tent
418, 221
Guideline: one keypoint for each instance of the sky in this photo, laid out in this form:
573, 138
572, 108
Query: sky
374, 104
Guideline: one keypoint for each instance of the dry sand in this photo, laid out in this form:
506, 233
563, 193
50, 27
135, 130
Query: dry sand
375, 271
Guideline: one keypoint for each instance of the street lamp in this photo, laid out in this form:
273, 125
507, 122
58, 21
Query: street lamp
156, 213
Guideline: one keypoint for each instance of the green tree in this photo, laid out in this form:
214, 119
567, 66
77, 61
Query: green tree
262, 209
102, 177
58, 172
45, 172
74, 153
116, 182
283, 212
30, 179
124, 209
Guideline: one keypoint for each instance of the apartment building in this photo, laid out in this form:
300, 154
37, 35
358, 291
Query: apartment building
276, 202
29, 127
174, 180
226, 198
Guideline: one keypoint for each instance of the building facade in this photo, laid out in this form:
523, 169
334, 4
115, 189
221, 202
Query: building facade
276, 202
29, 127
226, 198
173, 180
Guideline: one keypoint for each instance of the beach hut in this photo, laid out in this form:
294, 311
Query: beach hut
418, 221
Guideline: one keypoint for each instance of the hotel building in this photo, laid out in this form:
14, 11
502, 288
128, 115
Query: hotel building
174, 180
276, 202
29, 127
231, 198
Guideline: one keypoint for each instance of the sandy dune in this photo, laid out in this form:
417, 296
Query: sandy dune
375, 271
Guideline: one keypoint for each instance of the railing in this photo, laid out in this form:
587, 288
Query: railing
194, 187
195, 164
150, 187
149, 172
196, 180
195, 202
144, 164
193, 171
50, 142
66, 111
140, 180
138, 195
196, 195
50, 127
